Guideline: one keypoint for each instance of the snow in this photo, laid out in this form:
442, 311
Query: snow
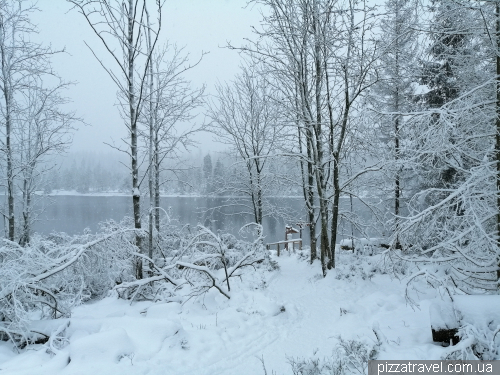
290, 313
6, 352
480, 310
107, 347
442, 314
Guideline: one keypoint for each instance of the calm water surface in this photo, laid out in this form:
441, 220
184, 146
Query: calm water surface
73, 213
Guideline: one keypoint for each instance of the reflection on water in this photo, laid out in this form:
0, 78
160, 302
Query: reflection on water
72, 214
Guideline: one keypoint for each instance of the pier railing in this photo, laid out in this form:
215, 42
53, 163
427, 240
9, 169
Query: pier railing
285, 244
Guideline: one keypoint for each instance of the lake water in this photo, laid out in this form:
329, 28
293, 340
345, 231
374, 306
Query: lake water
73, 213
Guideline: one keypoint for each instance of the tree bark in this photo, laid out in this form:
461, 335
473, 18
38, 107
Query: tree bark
136, 196
10, 168
397, 185
152, 185
7, 93
157, 182
497, 145
25, 236
308, 192
326, 256
259, 198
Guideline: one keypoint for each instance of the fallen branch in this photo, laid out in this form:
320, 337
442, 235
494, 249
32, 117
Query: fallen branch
215, 282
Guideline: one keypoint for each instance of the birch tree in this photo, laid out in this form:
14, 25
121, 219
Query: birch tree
43, 130
285, 45
26, 73
119, 25
323, 56
246, 116
170, 109
354, 63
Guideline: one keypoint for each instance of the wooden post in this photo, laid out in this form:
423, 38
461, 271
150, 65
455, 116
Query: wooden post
278, 249
300, 243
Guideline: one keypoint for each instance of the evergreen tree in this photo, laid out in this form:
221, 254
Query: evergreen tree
218, 176
207, 174
395, 90
449, 42
448, 72
451, 144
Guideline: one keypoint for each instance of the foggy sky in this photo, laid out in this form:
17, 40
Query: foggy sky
199, 25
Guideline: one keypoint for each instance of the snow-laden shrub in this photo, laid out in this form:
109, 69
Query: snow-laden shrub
452, 219
478, 328
352, 271
350, 357
476, 343
205, 260
48, 276
109, 262
394, 264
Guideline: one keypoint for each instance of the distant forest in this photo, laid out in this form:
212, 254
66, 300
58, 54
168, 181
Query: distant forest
194, 174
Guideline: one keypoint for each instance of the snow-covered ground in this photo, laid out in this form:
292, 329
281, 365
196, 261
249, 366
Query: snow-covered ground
290, 313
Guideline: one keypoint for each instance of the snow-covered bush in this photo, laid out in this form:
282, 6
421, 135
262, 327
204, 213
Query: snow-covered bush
353, 270
453, 219
476, 343
350, 357
204, 260
393, 263
478, 328
48, 276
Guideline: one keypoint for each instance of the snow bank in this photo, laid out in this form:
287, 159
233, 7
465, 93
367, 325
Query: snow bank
442, 314
100, 349
290, 313
480, 311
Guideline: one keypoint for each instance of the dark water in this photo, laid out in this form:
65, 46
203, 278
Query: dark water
72, 214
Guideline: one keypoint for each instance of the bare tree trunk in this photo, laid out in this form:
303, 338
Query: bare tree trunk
497, 146
310, 204
156, 161
326, 256
157, 183
308, 191
27, 190
259, 197
24, 239
335, 207
27, 233
136, 196
253, 191
10, 168
397, 185
397, 182
7, 93
340, 142
152, 185
336, 175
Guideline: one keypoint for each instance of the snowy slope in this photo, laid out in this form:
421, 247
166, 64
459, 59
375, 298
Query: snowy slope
290, 313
